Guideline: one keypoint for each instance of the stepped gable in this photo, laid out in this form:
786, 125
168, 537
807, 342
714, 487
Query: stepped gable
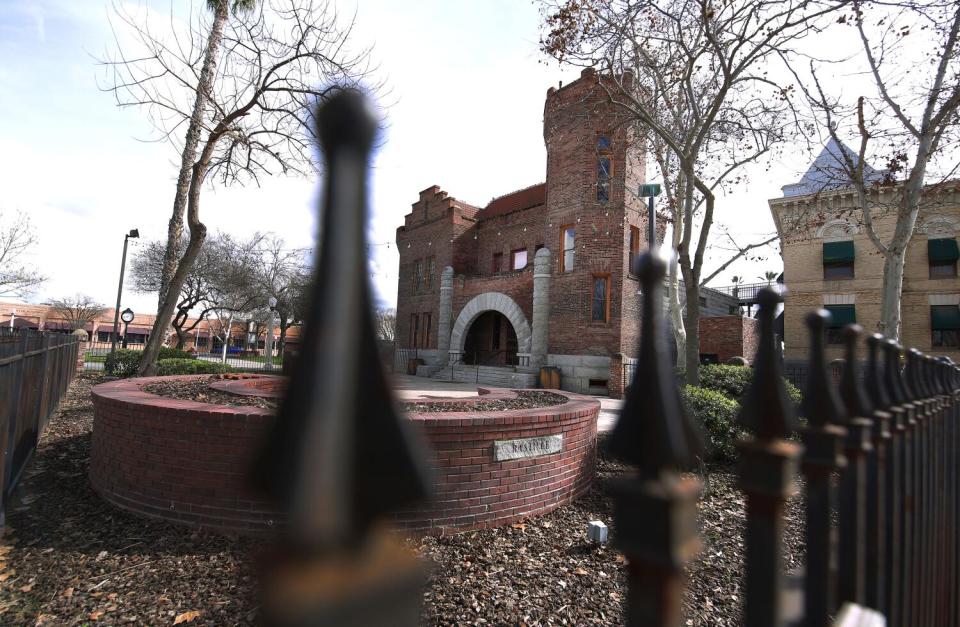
521, 199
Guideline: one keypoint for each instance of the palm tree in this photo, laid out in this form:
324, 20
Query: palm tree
769, 277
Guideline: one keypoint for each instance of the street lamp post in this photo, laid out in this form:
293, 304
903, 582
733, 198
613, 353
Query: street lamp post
134, 233
268, 345
650, 191
127, 317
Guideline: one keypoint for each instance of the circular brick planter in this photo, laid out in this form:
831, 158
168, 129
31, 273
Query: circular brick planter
181, 461
498, 467
187, 462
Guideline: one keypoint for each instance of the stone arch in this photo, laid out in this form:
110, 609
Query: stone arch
939, 225
838, 228
491, 301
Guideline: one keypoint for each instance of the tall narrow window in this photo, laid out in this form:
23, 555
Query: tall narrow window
840, 316
497, 262
567, 245
603, 179
418, 275
600, 309
634, 248
838, 258
942, 255
945, 326
427, 323
414, 329
603, 142
518, 259
431, 270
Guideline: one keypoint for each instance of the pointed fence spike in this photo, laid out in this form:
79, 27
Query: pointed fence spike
341, 456
653, 431
854, 397
767, 410
821, 405
912, 377
875, 386
891, 373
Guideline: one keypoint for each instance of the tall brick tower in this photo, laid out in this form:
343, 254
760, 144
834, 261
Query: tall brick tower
594, 168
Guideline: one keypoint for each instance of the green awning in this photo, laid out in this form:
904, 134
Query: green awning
943, 250
841, 315
838, 252
944, 317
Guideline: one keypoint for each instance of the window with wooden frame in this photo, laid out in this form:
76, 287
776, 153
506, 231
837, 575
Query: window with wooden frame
600, 300
414, 330
567, 246
431, 270
604, 173
497, 262
518, 259
418, 275
634, 248
426, 328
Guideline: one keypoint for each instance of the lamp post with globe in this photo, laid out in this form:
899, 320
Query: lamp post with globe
268, 345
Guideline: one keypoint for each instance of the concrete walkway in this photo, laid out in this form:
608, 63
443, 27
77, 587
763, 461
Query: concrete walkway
408, 386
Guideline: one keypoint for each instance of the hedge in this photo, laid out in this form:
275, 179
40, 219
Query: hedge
166, 367
734, 381
717, 416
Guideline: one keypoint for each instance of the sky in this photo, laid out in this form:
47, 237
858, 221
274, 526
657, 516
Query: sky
465, 92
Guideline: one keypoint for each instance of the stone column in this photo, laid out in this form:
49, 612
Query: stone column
446, 309
541, 308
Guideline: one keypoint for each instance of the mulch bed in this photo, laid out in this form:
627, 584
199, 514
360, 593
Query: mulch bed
199, 390
68, 558
525, 400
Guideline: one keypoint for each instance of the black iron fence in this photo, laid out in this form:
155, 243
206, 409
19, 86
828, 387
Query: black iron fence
252, 360
35, 370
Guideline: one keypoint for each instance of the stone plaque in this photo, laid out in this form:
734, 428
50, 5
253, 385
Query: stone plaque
504, 450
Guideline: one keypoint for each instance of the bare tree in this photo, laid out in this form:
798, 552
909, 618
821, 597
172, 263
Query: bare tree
282, 273
385, 324
694, 74
78, 311
252, 108
16, 237
906, 116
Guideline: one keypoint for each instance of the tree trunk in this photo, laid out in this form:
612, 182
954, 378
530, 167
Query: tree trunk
691, 320
181, 338
226, 339
891, 291
673, 297
282, 342
189, 154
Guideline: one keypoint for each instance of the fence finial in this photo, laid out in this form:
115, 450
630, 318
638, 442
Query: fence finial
654, 432
891, 373
820, 403
912, 376
341, 456
875, 385
767, 410
854, 398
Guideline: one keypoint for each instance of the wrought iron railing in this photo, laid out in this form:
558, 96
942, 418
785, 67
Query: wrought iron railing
35, 371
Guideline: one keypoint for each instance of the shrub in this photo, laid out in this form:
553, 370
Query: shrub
167, 367
123, 363
172, 353
716, 415
734, 381
737, 361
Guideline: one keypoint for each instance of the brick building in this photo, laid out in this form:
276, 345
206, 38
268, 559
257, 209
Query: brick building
540, 276
829, 260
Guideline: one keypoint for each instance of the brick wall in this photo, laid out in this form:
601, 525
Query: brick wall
729, 336
179, 461
474, 491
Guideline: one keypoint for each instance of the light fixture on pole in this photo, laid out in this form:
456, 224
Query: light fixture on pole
127, 317
268, 344
650, 191
134, 233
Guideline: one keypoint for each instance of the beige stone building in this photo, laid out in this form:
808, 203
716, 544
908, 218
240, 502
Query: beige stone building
830, 261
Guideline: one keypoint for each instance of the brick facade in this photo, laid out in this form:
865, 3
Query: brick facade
724, 337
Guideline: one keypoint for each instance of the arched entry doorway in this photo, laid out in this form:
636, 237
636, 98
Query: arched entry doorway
491, 302
490, 341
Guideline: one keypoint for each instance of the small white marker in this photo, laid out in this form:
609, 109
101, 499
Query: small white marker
597, 532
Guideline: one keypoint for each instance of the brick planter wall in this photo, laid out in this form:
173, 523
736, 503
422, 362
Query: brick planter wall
473, 490
187, 462
180, 461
